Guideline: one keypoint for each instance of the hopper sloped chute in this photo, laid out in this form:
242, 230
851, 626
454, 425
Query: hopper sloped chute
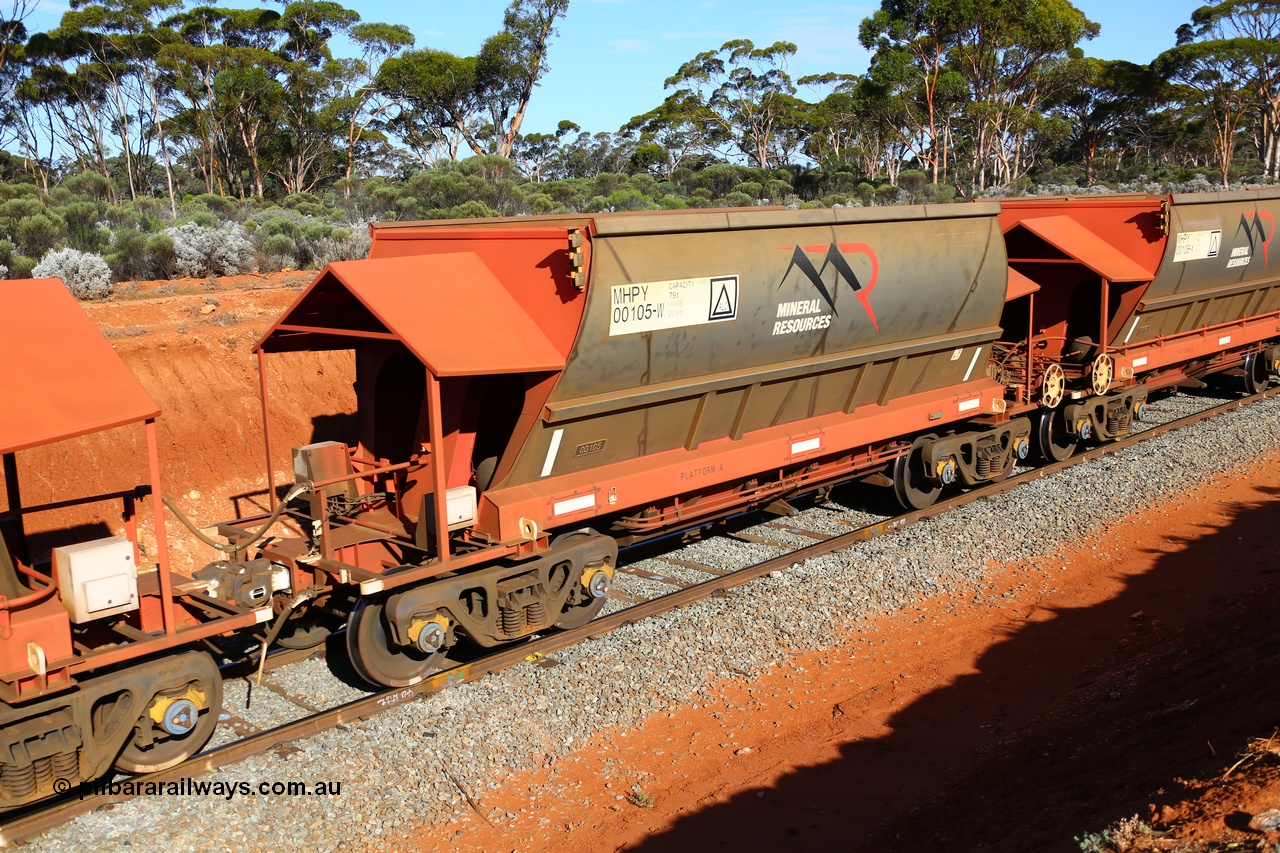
448, 309
61, 377
1074, 240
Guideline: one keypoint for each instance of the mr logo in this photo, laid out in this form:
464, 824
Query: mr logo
1254, 229
835, 257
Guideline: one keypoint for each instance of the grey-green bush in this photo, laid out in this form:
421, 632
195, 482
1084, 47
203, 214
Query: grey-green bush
85, 274
200, 251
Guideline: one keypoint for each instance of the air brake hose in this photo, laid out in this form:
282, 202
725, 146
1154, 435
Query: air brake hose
226, 547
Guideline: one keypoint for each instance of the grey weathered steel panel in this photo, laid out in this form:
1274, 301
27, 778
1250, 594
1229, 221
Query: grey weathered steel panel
922, 278
1193, 290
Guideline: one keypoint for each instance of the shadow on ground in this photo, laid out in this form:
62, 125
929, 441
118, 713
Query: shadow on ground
1074, 719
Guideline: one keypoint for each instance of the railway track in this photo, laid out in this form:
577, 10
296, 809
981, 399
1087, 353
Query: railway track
253, 742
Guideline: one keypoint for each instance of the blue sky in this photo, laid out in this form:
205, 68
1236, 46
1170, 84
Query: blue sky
611, 56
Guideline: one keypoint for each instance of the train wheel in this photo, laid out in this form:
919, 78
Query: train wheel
183, 727
1057, 442
577, 615
913, 489
375, 657
1256, 377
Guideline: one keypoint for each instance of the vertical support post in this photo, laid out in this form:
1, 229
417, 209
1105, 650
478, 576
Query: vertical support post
1104, 340
266, 428
322, 501
13, 494
439, 471
157, 511
1031, 337
130, 514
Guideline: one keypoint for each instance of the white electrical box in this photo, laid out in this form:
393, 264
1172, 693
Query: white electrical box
460, 506
97, 579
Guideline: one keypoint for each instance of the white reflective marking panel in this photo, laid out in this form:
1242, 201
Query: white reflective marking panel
552, 451
970, 405
575, 504
805, 446
1139, 362
1132, 327
1224, 340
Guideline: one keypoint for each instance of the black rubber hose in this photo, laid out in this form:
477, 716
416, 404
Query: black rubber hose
226, 547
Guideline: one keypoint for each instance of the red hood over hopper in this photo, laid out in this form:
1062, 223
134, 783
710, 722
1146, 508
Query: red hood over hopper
61, 378
449, 310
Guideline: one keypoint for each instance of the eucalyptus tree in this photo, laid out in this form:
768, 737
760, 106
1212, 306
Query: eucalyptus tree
1105, 110
311, 79
834, 121
483, 98
111, 47
360, 104
1227, 65
914, 43
673, 133
740, 91
1018, 57
223, 70
13, 36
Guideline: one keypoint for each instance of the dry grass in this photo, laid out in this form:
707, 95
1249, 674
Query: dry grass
124, 331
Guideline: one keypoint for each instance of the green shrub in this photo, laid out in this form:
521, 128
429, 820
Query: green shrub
18, 208
89, 184
83, 232
736, 199
280, 245
471, 210
776, 190
20, 266
220, 204
205, 219
629, 199
128, 255
40, 232
161, 256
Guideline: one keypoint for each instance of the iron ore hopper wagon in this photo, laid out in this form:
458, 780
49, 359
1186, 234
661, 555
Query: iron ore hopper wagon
534, 393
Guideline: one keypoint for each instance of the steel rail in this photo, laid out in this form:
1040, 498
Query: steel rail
59, 811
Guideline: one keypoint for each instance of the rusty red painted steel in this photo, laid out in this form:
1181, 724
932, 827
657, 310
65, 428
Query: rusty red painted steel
62, 378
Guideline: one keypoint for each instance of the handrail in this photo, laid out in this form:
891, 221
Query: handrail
136, 492
360, 475
36, 597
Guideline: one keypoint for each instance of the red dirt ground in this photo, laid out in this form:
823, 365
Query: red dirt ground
1119, 680
1123, 679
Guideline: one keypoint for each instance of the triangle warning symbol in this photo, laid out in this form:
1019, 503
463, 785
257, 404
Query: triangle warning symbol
724, 294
